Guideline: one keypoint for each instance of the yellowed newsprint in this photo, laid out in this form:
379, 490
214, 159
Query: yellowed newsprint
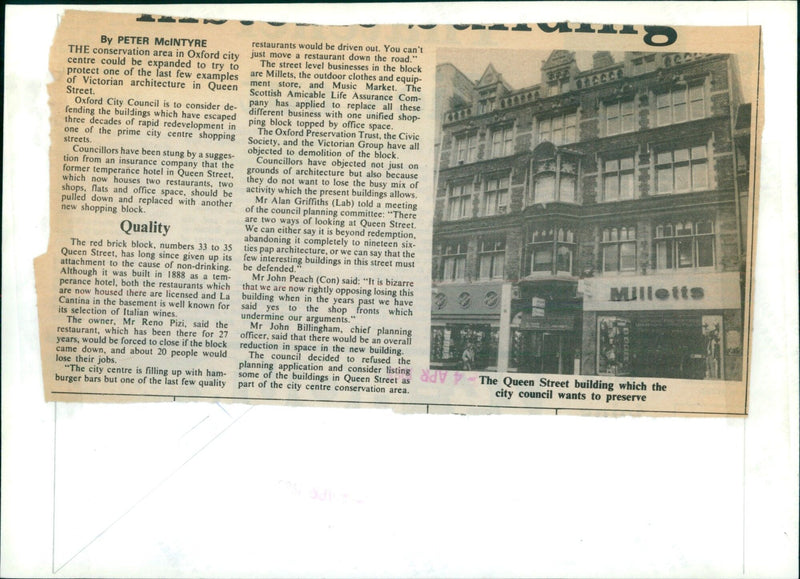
541, 217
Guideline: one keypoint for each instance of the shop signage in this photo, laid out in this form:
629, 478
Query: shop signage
467, 299
491, 299
708, 291
554, 322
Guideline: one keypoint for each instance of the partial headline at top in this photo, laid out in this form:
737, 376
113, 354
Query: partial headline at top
651, 35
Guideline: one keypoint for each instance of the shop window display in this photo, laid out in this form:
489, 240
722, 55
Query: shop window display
688, 346
464, 346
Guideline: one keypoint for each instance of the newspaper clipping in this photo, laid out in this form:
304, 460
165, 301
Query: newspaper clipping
551, 217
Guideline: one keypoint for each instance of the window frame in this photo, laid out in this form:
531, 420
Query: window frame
618, 173
538, 178
617, 106
493, 255
555, 238
564, 126
553, 168
466, 148
683, 92
496, 195
486, 105
464, 199
685, 164
611, 239
504, 146
455, 253
571, 177
666, 235
644, 64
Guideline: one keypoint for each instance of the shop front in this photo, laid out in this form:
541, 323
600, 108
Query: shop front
544, 346
545, 329
664, 326
469, 326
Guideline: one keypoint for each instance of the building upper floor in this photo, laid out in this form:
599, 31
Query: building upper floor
701, 163
642, 91
652, 124
682, 241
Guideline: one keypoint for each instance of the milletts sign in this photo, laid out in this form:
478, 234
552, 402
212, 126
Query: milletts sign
702, 291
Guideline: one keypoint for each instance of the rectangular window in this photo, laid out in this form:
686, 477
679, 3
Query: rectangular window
664, 108
644, 64
461, 150
496, 196
619, 117
558, 87
542, 258
680, 104
682, 170
618, 179
454, 261
559, 130
459, 202
493, 259
687, 244
565, 247
551, 250
472, 148
697, 102
503, 142
544, 188
541, 250
497, 144
466, 149
619, 249
555, 179
543, 130
566, 188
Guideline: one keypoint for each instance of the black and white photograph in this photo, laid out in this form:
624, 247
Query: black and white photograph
592, 213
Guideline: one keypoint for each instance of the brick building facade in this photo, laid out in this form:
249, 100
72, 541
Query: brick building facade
594, 223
